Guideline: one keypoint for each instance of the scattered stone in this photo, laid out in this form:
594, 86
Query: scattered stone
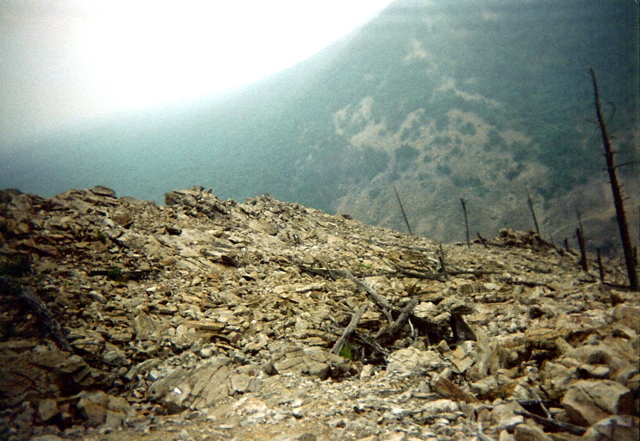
212, 319
99, 408
618, 428
589, 401
411, 361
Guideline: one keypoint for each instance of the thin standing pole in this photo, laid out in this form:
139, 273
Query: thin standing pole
404, 215
466, 221
533, 213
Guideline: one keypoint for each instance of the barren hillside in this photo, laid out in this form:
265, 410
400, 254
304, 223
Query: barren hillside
206, 319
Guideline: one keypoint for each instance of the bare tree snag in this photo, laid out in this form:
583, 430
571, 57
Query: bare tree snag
584, 263
482, 239
466, 221
443, 268
618, 200
600, 265
404, 215
348, 330
533, 213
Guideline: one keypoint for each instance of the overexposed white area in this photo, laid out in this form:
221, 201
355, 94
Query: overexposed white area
68, 60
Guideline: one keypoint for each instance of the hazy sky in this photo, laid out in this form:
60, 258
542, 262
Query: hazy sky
65, 60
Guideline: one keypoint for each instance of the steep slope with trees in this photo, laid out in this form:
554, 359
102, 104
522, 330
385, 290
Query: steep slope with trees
443, 100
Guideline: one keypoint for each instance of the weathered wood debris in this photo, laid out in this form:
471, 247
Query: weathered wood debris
208, 319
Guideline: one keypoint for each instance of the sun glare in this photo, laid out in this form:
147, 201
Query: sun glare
142, 53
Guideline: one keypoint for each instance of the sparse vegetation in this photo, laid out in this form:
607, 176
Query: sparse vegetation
115, 273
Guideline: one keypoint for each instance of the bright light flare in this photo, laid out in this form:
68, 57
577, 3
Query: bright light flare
140, 53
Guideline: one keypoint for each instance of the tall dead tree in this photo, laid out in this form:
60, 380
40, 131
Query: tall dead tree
404, 214
618, 200
582, 242
533, 213
466, 221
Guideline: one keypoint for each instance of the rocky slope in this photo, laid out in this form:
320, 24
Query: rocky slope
206, 319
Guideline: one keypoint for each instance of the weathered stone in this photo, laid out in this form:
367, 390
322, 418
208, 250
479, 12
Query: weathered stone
98, 409
315, 361
463, 356
103, 191
190, 306
588, 401
618, 428
448, 389
529, 432
47, 409
413, 362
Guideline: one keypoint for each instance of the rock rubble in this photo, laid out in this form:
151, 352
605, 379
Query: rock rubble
208, 319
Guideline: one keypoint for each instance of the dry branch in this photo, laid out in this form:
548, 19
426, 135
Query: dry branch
600, 265
384, 303
348, 330
394, 327
584, 262
553, 425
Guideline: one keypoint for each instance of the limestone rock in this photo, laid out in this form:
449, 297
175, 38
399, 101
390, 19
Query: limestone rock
530, 432
204, 385
588, 402
315, 361
412, 361
215, 319
619, 428
99, 408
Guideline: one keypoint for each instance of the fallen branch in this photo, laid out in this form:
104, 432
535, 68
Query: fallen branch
374, 345
553, 425
331, 274
384, 303
394, 327
441, 274
419, 275
482, 240
348, 330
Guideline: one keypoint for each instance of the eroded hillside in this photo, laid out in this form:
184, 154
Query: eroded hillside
206, 319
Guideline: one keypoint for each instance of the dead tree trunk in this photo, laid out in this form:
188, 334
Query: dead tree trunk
584, 263
533, 213
618, 200
600, 265
404, 215
466, 221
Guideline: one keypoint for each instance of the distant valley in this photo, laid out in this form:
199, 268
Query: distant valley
441, 100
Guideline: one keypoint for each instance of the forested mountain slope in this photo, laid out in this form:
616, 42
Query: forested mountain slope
443, 100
